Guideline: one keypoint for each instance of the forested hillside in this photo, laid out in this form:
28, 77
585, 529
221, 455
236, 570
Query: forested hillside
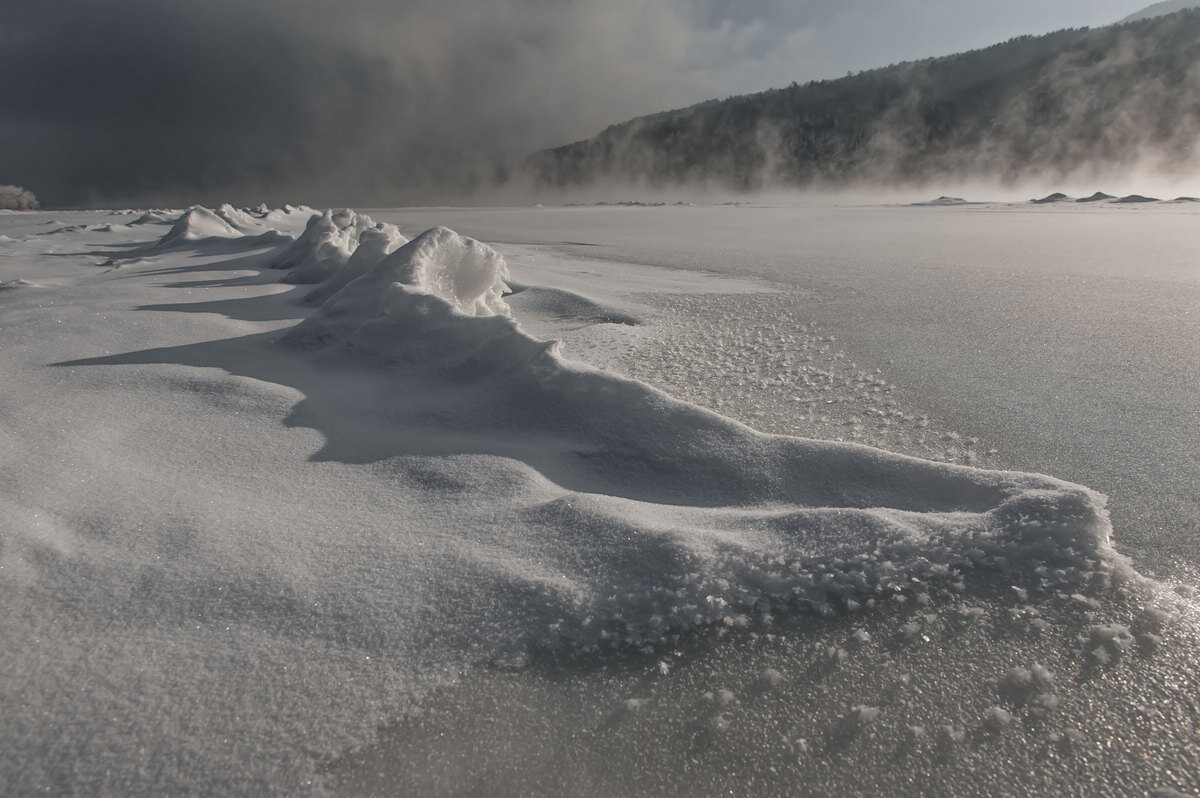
1067, 103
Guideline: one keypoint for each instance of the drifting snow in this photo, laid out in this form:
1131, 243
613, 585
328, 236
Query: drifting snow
1057, 196
723, 521
373, 245
323, 248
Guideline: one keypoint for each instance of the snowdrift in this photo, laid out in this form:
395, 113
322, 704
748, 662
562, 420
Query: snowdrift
327, 244
226, 229
373, 245
674, 516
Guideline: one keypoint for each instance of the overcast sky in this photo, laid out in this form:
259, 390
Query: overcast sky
362, 101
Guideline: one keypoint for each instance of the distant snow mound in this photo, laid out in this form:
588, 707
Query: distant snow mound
15, 198
1097, 197
668, 516
196, 224
622, 204
1135, 199
374, 244
242, 221
323, 248
155, 217
291, 220
1057, 196
941, 201
225, 229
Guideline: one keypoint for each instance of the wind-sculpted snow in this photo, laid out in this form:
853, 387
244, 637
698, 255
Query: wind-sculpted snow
374, 244
197, 224
324, 247
333, 247
676, 517
223, 230
560, 304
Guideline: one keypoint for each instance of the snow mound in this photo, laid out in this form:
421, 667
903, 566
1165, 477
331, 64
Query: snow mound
323, 248
417, 291
202, 228
941, 201
562, 304
155, 217
196, 224
374, 244
461, 271
1057, 196
226, 229
668, 516
1097, 197
242, 221
1135, 198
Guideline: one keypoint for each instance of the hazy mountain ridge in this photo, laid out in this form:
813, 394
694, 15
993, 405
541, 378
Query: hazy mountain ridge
1160, 9
1070, 102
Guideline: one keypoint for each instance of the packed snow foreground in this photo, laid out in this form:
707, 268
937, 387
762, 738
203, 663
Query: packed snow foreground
474, 496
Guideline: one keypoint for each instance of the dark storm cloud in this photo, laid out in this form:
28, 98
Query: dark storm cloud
366, 101
345, 101
108, 98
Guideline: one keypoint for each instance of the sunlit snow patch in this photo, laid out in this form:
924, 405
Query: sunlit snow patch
670, 516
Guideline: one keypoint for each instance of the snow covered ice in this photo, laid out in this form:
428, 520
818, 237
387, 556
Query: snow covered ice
279, 484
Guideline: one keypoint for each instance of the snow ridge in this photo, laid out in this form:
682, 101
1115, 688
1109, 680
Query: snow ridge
672, 517
326, 245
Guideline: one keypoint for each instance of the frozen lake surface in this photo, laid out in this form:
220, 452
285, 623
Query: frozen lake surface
293, 506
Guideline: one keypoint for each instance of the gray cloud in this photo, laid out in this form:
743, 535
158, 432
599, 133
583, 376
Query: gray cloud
348, 101
379, 100
15, 198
